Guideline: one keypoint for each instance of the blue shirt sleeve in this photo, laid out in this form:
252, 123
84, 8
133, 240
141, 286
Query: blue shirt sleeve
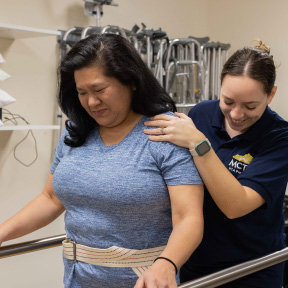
175, 163
59, 151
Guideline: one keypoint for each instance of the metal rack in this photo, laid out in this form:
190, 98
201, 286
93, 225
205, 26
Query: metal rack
189, 69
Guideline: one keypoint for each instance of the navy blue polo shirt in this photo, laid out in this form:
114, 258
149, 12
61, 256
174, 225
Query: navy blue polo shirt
258, 158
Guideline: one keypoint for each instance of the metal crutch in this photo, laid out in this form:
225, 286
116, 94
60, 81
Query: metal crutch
149, 44
210, 51
222, 49
159, 71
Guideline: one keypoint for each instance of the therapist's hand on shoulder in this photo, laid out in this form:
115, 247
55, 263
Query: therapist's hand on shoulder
179, 130
159, 275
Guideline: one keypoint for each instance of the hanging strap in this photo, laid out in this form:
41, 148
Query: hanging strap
138, 260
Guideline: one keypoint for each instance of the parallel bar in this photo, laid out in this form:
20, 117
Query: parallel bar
31, 246
210, 281
237, 271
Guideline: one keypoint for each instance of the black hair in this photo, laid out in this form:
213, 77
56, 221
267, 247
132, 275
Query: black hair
117, 58
253, 62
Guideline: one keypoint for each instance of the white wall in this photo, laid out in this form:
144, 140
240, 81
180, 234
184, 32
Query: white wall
240, 22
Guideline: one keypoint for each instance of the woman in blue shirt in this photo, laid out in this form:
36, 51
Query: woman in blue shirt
127, 200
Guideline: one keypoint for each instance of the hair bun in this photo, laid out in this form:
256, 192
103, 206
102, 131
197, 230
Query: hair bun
262, 46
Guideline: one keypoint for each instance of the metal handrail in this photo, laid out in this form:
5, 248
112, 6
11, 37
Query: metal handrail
209, 281
31, 246
237, 271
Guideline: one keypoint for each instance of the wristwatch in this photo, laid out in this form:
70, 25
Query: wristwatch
201, 148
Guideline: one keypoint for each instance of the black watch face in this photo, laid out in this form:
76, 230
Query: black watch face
203, 148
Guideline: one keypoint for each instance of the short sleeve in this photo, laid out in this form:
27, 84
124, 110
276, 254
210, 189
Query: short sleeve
59, 151
176, 164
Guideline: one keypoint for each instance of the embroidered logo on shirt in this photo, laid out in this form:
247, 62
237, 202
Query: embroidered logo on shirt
239, 163
247, 158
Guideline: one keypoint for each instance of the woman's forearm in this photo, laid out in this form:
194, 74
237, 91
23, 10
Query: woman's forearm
38, 213
186, 236
187, 220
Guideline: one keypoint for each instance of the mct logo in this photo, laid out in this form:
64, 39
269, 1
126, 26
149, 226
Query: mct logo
239, 163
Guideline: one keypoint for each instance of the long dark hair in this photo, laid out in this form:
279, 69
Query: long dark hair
117, 58
253, 62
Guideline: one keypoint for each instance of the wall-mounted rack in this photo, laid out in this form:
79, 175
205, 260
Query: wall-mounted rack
29, 127
17, 32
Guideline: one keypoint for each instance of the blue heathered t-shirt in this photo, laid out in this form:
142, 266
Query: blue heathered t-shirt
117, 195
259, 160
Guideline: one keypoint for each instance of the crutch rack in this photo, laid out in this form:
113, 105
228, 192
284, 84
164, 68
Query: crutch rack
187, 68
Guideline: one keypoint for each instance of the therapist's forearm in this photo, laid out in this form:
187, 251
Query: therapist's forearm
227, 192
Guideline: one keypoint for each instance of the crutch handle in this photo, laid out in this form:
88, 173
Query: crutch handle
211, 45
183, 41
153, 34
224, 46
135, 28
201, 40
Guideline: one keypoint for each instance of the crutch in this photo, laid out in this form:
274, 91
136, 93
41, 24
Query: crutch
210, 49
149, 44
159, 71
222, 49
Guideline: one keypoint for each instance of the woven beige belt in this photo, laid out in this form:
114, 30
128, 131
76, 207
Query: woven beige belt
138, 260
